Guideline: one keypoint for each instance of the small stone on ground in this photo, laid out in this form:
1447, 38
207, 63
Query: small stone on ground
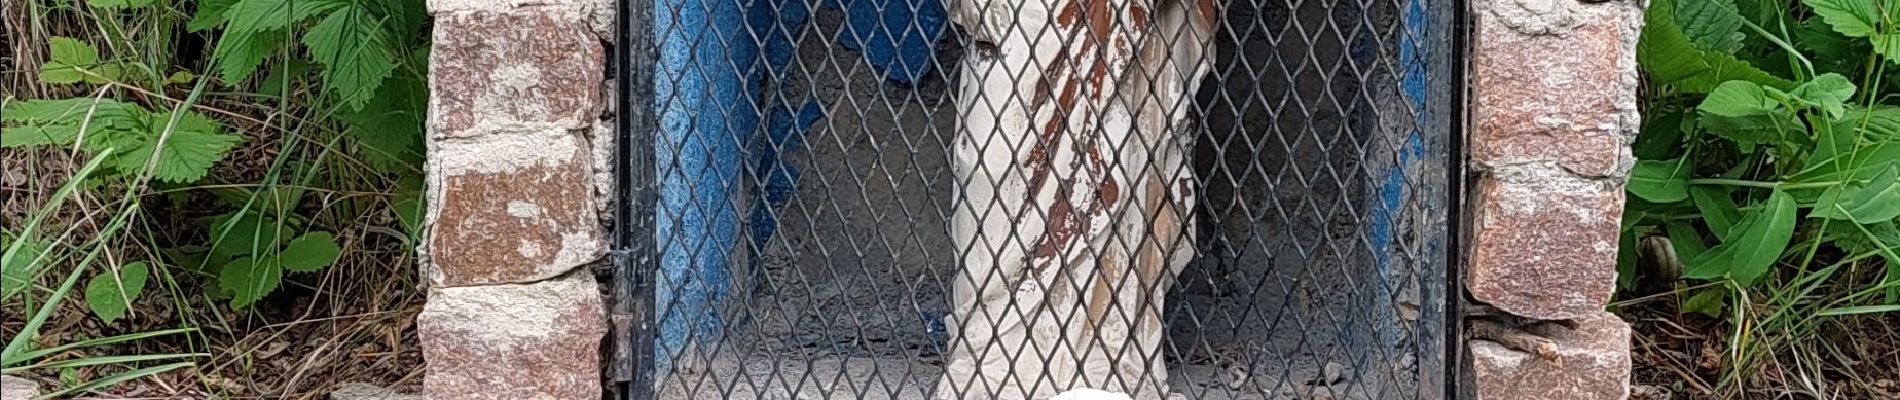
17, 388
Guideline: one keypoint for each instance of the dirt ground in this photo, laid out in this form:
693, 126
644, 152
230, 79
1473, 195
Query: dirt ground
854, 285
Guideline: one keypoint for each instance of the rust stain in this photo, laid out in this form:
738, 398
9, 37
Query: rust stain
1110, 268
1209, 11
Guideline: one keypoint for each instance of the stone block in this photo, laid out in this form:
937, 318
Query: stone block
510, 208
526, 68
1544, 242
530, 341
1593, 363
1555, 80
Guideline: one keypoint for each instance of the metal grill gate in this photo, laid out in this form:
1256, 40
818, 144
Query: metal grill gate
791, 191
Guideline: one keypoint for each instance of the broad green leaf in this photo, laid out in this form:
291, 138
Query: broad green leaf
119, 3
1887, 45
1738, 99
193, 146
256, 16
240, 53
66, 111
1686, 240
311, 252
1661, 135
1861, 163
1708, 301
1626, 259
39, 135
210, 14
1829, 50
1712, 24
409, 209
1855, 18
250, 279
1752, 245
18, 272
72, 51
247, 235
1876, 201
1829, 91
1671, 58
389, 129
349, 43
1661, 181
1747, 112
109, 298
68, 60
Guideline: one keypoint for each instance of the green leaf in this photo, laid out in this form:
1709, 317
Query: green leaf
1708, 301
247, 235
57, 122
1752, 245
1854, 18
1887, 45
1876, 201
1712, 24
68, 60
1829, 91
210, 14
1829, 50
194, 145
1684, 238
389, 130
409, 209
1671, 58
311, 252
1738, 99
256, 16
1661, 135
1861, 163
240, 53
1626, 259
109, 297
72, 51
1747, 112
349, 43
180, 77
20, 270
1661, 181
250, 279
119, 3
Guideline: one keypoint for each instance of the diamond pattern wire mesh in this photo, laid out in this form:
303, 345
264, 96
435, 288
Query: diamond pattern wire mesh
837, 184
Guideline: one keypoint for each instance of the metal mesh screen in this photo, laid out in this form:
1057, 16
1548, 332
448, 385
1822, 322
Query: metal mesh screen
1011, 199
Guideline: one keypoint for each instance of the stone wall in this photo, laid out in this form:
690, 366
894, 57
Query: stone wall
515, 91
1553, 111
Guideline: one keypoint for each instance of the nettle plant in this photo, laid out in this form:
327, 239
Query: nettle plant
361, 59
1768, 188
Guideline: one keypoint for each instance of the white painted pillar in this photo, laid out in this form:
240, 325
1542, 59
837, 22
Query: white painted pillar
1077, 202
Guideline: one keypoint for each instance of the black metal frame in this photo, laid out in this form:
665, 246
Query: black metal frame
634, 256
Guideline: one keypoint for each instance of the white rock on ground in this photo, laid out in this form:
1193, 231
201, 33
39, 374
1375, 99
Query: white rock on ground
17, 388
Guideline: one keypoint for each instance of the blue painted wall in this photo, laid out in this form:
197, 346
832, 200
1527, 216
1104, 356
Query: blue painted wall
719, 134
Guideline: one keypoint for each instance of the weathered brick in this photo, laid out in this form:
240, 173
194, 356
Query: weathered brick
1544, 243
1555, 80
1593, 363
531, 67
533, 341
510, 208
